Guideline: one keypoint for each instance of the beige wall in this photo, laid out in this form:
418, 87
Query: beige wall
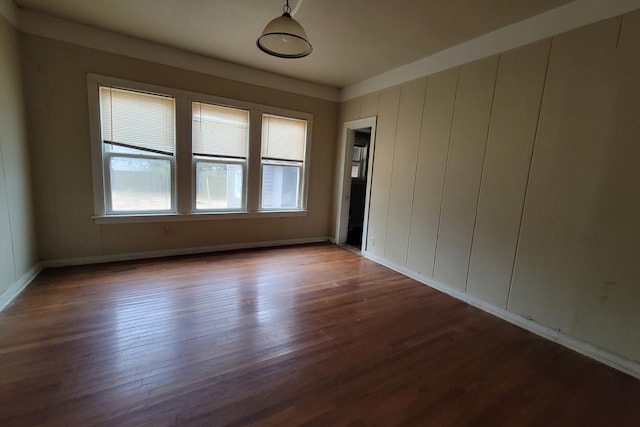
515, 179
56, 76
17, 237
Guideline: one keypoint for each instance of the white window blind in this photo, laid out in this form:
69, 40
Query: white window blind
138, 120
219, 131
283, 138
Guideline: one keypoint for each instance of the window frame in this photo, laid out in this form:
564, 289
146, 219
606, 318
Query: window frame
219, 102
284, 163
361, 164
184, 161
106, 155
220, 160
303, 166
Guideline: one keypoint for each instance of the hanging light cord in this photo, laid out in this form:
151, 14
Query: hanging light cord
297, 8
286, 8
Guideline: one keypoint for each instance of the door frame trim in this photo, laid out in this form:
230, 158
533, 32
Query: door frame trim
344, 185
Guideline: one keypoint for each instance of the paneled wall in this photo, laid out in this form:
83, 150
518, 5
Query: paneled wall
56, 77
515, 179
17, 238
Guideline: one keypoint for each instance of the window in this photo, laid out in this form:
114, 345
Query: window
138, 143
358, 165
283, 146
360, 150
161, 154
220, 137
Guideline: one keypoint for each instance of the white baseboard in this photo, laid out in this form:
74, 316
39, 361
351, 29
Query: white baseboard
99, 259
613, 360
19, 285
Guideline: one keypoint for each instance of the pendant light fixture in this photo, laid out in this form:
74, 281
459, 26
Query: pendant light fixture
284, 37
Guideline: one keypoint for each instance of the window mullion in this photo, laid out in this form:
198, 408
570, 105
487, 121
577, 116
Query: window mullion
253, 160
183, 163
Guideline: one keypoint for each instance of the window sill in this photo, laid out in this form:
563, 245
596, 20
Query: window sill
206, 216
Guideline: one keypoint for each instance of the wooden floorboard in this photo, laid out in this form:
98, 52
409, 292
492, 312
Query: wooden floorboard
309, 335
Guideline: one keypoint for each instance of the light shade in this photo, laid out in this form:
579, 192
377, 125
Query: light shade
285, 38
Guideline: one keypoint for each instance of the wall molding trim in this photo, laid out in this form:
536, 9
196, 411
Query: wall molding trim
47, 26
99, 259
603, 356
19, 285
570, 16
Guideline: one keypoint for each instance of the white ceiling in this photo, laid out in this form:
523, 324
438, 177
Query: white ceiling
352, 39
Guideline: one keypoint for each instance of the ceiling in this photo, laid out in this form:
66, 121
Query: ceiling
352, 39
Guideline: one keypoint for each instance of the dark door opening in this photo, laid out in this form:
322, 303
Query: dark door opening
358, 186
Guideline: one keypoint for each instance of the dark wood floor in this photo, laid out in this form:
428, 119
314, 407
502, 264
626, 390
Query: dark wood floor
311, 335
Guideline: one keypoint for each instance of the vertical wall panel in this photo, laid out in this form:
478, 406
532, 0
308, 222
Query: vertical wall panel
370, 105
511, 134
581, 217
382, 168
8, 65
350, 110
552, 270
7, 269
404, 169
18, 252
432, 158
609, 302
462, 180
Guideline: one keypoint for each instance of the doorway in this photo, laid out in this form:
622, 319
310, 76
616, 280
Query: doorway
359, 172
357, 152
